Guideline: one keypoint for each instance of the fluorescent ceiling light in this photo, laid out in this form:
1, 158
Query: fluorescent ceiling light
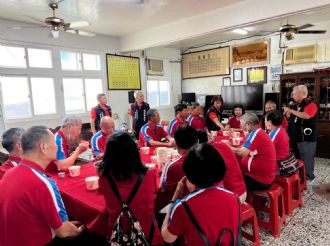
240, 31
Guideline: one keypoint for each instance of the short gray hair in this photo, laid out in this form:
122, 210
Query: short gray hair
271, 103
151, 113
136, 93
100, 95
11, 137
33, 137
301, 88
250, 118
71, 120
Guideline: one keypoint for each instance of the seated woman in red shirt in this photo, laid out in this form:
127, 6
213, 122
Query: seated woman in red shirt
278, 135
234, 122
213, 207
124, 170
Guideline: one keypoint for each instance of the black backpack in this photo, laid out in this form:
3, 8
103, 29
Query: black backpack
236, 241
136, 236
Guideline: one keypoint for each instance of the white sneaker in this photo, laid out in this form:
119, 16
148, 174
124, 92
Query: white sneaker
310, 182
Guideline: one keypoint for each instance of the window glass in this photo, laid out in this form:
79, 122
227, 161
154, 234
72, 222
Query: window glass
43, 96
12, 57
40, 58
15, 95
152, 93
70, 60
164, 93
91, 62
73, 95
93, 87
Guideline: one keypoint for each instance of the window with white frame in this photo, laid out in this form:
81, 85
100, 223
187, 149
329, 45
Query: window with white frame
12, 56
158, 93
80, 94
28, 81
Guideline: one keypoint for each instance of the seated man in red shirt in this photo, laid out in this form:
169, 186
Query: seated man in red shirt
69, 132
271, 105
196, 118
11, 141
214, 208
98, 141
31, 208
258, 155
185, 137
181, 112
152, 133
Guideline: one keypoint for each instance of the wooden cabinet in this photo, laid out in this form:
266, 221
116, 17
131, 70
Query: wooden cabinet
318, 84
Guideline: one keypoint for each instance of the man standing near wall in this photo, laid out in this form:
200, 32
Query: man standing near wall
304, 119
102, 109
138, 113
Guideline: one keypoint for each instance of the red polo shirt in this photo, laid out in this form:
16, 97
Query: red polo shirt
142, 205
233, 179
214, 210
260, 164
30, 206
280, 139
173, 171
98, 143
11, 162
196, 121
93, 111
175, 123
147, 133
234, 123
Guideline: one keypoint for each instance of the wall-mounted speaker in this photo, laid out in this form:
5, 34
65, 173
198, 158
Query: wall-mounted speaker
131, 98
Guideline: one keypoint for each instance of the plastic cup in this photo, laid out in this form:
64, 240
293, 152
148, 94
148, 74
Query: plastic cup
61, 175
74, 171
214, 134
145, 150
92, 182
154, 159
236, 141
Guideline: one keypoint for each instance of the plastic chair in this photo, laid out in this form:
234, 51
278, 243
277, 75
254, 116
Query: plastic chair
249, 217
302, 175
291, 191
275, 209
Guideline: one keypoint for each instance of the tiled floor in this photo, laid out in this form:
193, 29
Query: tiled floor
311, 224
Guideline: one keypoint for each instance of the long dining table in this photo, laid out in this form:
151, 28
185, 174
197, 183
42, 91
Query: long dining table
85, 206
89, 207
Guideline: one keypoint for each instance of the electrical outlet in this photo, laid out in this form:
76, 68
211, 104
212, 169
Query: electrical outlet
115, 116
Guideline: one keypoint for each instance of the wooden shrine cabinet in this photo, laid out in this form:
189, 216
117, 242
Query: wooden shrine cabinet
318, 84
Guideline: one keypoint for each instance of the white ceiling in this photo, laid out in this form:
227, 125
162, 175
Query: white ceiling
119, 18
111, 17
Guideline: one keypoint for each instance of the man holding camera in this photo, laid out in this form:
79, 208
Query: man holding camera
304, 118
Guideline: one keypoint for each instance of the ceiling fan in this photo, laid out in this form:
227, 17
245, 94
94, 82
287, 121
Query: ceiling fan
289, 29
57, 24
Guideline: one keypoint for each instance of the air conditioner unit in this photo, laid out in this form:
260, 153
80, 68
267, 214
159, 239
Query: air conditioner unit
303, 54
154, 67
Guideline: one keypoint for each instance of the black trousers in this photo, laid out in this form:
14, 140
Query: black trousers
253, 185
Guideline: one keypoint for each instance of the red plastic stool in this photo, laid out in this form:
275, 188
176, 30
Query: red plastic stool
249, 217
302, 175
276, 210
291, 191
